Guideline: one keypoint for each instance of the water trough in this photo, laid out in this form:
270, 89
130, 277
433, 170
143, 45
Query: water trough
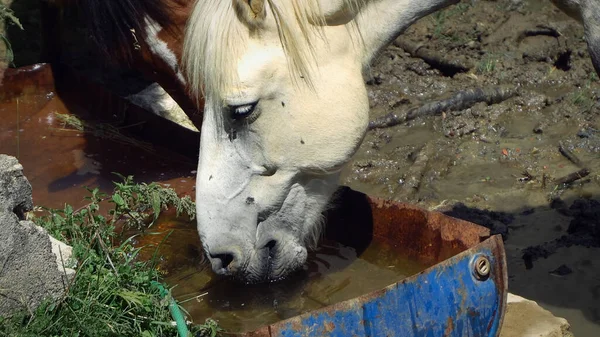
462, 292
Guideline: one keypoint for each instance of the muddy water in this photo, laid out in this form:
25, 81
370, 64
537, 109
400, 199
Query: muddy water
60, 162
333, 273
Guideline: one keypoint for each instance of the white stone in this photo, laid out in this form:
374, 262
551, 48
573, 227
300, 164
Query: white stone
525, 318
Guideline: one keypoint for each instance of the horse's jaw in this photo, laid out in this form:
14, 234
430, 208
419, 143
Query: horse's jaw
285, 235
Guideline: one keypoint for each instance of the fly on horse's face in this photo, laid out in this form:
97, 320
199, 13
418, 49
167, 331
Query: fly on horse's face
286, 108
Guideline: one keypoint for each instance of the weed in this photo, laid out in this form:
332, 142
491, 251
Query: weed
6, 14
112, 292
101, 130
487, 64
585, 96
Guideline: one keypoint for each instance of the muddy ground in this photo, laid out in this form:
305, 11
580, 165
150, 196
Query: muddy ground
499, 165
509, 165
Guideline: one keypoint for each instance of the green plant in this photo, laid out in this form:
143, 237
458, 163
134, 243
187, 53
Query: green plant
6, 14
112, 292
209, 329
487, 64
585, 96
101, 130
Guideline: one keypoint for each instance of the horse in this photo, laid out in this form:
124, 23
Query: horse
280, 85
143, 35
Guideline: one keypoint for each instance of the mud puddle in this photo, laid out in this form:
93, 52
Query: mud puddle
333, 273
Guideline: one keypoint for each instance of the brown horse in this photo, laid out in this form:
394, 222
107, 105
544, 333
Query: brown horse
146, 35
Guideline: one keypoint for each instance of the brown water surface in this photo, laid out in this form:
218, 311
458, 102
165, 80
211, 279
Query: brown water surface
333, 273
60, 162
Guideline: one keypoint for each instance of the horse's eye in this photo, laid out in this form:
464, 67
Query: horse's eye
242, 111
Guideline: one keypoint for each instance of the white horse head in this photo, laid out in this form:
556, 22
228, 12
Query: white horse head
286, 108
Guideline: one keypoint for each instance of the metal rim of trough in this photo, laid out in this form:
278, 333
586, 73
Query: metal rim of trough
482, 266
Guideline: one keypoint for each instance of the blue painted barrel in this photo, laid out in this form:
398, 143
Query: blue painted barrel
447, 299
462, 293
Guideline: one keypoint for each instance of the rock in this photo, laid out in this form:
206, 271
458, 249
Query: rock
15, 190
34, 265
562, 270
525, 318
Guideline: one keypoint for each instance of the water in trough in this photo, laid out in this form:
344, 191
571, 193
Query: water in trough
333, 273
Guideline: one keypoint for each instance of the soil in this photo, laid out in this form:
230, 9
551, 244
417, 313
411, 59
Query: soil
527, 167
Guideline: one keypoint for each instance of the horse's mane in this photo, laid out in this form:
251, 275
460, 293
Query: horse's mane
216, 37
112, 24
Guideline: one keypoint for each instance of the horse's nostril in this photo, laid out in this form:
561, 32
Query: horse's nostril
223, 260
268, 171
271, 244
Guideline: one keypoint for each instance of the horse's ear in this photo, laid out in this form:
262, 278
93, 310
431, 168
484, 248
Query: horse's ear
252, 12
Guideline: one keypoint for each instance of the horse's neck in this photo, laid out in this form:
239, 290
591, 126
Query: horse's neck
382, 21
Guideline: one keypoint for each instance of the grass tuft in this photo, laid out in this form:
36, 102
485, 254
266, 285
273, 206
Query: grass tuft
112, 293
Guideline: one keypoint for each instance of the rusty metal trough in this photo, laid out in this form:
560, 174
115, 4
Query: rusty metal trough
462, 293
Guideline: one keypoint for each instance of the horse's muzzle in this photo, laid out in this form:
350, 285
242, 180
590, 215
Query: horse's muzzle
272, 262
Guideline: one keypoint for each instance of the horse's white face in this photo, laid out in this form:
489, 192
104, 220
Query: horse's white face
271, 152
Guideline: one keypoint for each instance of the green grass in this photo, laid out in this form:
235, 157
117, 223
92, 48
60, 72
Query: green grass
487, 65
584, 97
112, 292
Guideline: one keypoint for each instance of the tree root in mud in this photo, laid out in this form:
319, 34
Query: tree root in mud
538, 30
415, 174
448, 67
572, 177
569, 155
459, 101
